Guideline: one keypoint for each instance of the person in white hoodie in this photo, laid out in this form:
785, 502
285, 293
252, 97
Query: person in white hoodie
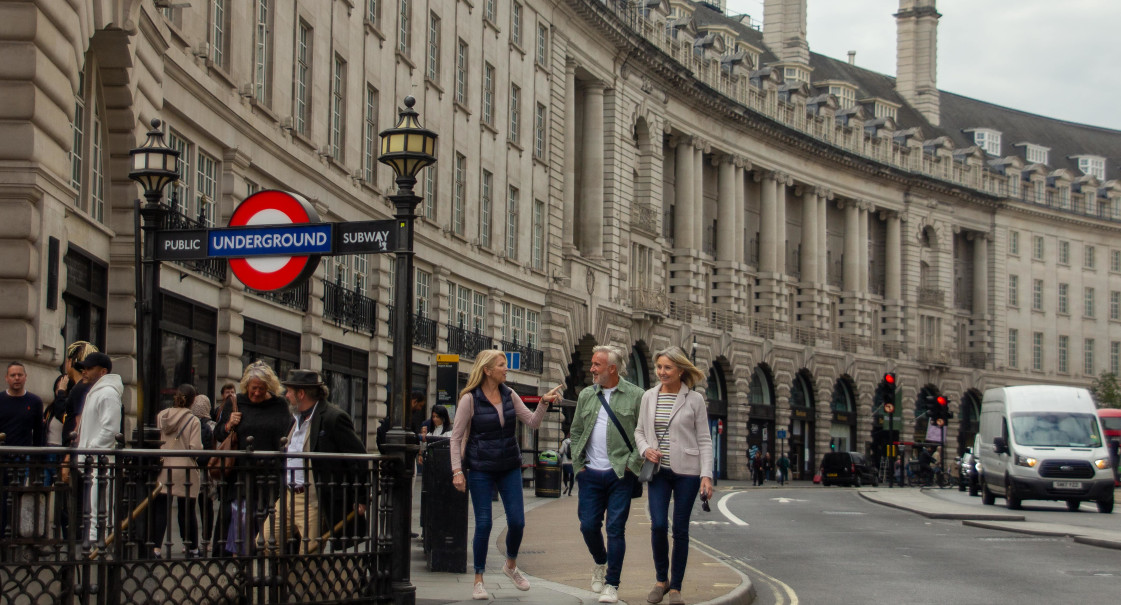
99, 425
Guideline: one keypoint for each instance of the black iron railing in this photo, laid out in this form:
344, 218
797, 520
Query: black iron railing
94, 539
214, 268
467, 343
532, 360
349, 308
295, 298
424, 329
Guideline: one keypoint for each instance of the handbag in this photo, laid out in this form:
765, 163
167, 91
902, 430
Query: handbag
636, 491
649, 469
221, 467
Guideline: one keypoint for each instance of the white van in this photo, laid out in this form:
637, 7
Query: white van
1043, 442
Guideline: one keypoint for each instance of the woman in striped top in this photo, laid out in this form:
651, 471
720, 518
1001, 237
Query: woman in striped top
672, 431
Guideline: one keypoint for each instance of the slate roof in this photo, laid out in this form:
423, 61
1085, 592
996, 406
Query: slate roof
957, 112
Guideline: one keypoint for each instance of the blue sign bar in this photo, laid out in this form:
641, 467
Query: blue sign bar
513, 361
271, 240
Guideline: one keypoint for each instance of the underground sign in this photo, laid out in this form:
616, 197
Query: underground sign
279, 242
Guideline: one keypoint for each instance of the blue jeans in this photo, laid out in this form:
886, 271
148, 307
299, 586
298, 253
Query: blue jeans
683, 489
482, 484
604, 492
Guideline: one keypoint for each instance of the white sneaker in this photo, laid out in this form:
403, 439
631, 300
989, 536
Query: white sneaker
480, 593
516, 577
610, 594
599, 574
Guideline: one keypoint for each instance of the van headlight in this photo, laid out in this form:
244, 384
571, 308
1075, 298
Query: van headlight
1102, 463
1027, 461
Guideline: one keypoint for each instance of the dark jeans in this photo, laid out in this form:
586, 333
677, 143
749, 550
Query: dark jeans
566, 478
482, 485
604, 492
185, 514
683, 489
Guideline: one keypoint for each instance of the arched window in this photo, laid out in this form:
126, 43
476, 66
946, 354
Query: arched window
842, 400
759, 393
801, 394
88, 151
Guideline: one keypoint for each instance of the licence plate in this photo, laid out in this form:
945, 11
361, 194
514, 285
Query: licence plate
830, 474
1066, 484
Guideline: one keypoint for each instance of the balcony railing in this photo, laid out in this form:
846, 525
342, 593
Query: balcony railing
533, 360
214, 268
978, 360
347, 307
467, 343
937, 357
424, 329
725, 319
295, 298
932, 297
645, 217
649, 300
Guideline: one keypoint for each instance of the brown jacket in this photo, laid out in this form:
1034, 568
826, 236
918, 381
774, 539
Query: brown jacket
180, 430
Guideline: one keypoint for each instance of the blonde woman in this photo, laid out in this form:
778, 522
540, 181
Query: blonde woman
673, 432
485, 456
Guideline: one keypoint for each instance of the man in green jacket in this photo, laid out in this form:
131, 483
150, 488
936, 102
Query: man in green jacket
606, 465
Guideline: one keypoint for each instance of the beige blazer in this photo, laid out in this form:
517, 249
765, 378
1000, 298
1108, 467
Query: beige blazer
690, 446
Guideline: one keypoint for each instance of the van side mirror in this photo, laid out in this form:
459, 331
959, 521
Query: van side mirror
1000, 446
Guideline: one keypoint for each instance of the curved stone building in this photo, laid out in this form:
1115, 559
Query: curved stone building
643, 173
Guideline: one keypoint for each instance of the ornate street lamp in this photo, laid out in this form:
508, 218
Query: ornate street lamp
154, 166
407, 148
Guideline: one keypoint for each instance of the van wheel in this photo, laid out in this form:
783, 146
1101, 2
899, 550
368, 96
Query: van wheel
1011, 500
856, 481
1072, 505
1105, 505
987, 496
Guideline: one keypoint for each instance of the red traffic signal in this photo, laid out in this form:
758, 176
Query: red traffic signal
889, 378
942, 401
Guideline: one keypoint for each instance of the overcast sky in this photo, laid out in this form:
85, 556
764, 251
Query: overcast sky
1058, 59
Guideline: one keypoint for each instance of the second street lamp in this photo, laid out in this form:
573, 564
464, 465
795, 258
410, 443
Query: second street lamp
154, 166
407, 148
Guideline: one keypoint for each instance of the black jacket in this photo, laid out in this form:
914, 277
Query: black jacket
340, 487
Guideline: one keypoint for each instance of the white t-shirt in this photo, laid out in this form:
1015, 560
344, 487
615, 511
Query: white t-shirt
596, 450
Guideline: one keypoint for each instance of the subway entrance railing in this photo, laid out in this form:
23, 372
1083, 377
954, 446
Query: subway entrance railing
111, 533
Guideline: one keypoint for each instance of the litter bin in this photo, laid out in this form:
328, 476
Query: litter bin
547, 475
443, 511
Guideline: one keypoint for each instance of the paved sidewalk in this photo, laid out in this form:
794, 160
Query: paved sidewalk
556, 561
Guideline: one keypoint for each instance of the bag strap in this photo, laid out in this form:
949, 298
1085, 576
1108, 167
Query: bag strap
618, 425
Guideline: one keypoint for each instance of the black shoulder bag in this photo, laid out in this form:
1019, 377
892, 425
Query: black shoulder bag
636, 491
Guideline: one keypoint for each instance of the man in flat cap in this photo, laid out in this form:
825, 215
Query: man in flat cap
320, 494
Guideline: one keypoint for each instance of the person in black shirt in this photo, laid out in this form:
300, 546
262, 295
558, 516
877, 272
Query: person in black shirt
21, 413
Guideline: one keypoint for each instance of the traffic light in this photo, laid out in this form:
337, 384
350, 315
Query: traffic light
887, 393
940, 412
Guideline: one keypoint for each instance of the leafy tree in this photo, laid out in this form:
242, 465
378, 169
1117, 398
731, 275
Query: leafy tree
1106, 391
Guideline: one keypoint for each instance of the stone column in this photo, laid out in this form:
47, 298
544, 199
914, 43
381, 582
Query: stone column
700, 222
570, 154
893, 254
809, 235
780, 223
767, 228
739, 207
823, 235
852, 246
591, 204
862, 221
980, 274
726, 211
683, 213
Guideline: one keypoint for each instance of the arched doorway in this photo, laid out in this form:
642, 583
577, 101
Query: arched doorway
969, 419
802, 450
842, 404
716, 394
761, 413
638, 368
577, 378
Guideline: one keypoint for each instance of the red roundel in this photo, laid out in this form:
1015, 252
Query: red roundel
271, 207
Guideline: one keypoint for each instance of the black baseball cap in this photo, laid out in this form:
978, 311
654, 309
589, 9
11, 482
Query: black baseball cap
95, 360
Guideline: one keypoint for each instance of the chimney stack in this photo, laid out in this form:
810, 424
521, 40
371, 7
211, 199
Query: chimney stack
916, 59
852, 57
784, 30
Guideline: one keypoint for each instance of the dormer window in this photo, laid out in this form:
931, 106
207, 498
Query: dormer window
846, 96
883, 110
795, 73
1093, 165
988, 140
1036, 154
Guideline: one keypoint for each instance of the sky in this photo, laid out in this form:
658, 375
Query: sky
1058, 59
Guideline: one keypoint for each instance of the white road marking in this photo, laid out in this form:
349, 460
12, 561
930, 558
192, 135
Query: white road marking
723, 506
787, 500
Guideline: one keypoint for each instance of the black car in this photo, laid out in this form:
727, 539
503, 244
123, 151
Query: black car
847, 468
969, 477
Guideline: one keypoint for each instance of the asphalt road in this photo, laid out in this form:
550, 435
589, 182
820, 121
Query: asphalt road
818, 545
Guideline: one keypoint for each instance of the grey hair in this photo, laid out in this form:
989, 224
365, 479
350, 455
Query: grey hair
615, 357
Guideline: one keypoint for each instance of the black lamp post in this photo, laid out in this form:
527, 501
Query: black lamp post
154, 166
407, 148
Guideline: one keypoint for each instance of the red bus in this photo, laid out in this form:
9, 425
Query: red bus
1111, 426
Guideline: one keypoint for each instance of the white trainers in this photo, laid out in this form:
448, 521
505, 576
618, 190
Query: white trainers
599, 574
480, 593
516, 577
610, 594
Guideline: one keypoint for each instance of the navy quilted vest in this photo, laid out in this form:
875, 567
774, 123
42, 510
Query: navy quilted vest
492, 446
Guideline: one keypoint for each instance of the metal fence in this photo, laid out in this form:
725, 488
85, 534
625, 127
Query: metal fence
105, 535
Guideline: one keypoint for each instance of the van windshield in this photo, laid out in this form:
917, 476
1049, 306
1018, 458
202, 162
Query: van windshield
1056, 429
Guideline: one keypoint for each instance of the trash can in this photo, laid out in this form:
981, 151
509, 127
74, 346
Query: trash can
547, 475
443, 511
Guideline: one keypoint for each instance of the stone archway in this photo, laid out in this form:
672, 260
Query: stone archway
716, 395
577, 377
761, 412
969, 418
843, 415
803, 449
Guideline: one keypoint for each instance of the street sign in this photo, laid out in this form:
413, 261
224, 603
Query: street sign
513, 361
186, 244
361, 237
269, 240
447, 380
780, 434
889, 408
275, 209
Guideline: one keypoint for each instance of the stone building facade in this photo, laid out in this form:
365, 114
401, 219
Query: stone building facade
643, 173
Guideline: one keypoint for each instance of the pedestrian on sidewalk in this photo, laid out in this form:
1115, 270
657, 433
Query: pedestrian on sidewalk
606, 464
180, 429
566, 464
98, 427
783, 469
484, 443
757, 470
673, 432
